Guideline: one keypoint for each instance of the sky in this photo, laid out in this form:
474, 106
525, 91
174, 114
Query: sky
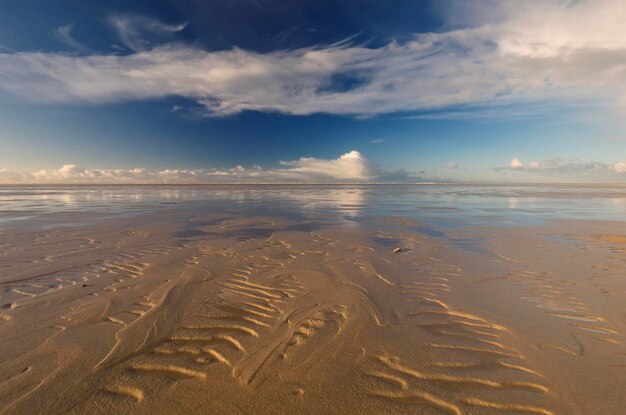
190, 91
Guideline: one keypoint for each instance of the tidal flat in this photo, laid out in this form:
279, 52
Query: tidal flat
369, 299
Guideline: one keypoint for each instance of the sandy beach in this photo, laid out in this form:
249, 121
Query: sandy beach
274, 207
183, 309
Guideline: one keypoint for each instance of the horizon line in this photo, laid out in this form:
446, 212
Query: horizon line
442, 183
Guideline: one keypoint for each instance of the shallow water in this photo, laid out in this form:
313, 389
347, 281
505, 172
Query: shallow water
438, 207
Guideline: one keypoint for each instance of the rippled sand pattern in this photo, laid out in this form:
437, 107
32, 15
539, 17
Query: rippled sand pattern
263, 314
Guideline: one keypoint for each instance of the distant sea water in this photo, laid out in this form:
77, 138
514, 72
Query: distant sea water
437, 206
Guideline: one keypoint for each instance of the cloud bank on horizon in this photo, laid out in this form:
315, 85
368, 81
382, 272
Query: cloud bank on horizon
350, 167
563, 53
558, 167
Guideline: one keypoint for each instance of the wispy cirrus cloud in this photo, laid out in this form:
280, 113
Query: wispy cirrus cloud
139, 33
507, 54
63, 34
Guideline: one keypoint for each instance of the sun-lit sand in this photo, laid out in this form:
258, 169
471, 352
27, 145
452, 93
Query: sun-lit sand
177, 310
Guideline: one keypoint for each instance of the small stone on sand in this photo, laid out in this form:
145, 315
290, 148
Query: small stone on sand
397, 250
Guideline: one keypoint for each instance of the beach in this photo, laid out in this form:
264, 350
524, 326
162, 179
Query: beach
319, 299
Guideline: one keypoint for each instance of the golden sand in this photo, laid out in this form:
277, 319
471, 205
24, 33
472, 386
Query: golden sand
618, 239
244, 317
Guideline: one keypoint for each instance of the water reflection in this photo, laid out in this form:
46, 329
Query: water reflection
438, 206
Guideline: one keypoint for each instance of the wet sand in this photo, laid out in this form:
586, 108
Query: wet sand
230, 312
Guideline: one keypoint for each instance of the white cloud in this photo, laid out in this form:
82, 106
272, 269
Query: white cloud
574, 168
516, 164
7, 176
350, 167
70, 173
564, 53
547, 29
134, 31
377, 141
63, 34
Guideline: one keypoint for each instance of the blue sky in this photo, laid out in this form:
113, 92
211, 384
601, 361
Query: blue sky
205, 91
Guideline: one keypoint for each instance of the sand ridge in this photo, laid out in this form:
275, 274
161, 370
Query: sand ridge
266, 315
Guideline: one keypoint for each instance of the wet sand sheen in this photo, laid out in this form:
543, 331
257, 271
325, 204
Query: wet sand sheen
259, 314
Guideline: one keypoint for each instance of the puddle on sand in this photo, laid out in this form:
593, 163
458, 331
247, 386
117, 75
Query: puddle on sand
387, 242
